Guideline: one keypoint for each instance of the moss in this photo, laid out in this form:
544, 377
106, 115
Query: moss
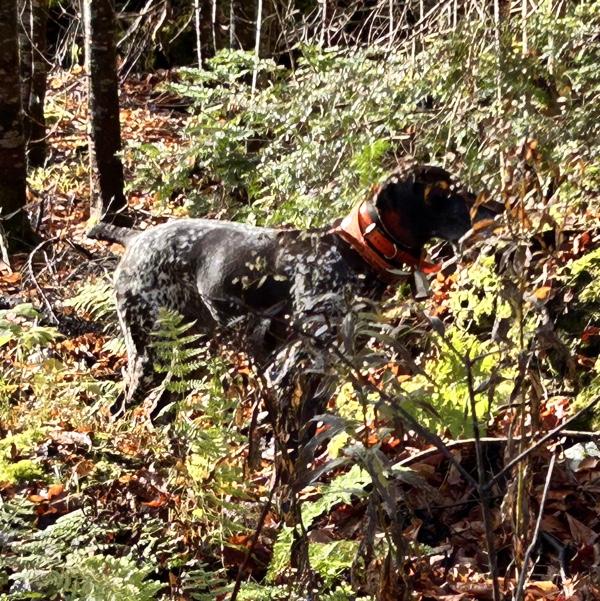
25, 470
24, 442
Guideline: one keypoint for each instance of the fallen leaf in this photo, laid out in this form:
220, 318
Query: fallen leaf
55, 490
543, 589
161, 501
581, 534
542, 293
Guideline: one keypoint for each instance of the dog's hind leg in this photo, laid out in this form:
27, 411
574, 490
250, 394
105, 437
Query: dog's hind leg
140, 378
149, 369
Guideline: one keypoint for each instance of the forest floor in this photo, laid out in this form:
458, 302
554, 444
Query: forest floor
62, 453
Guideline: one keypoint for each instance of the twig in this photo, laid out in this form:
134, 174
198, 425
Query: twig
259, 527
552, 434
481, 488
573, 435
536, 533
52, 315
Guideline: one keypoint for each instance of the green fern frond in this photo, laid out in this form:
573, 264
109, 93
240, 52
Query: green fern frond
96, 300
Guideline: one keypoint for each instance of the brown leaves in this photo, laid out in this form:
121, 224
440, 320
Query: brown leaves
580, 533
51, 501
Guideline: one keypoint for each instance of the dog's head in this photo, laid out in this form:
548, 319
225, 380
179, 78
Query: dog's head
423, 202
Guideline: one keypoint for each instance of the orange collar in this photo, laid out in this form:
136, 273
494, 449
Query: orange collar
365, 234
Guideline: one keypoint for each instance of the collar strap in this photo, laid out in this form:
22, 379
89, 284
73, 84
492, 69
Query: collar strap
362, 229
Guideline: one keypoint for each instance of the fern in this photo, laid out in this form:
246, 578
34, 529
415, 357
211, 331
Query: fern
19, 326
199, 380
203, 585
69, 559
176, 355
331, 559
97, 301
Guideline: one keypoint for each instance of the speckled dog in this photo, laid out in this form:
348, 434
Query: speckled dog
259, 281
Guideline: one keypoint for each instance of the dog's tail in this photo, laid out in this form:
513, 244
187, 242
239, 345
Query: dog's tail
111, 233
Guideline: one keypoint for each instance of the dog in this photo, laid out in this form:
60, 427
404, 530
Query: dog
272, 286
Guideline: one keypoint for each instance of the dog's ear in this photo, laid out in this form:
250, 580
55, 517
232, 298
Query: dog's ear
429, 175
410, 200
401, 211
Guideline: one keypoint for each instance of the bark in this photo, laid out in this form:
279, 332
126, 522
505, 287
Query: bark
36, 145
25, 58
13, 171
233, 15
33, 15
106, 169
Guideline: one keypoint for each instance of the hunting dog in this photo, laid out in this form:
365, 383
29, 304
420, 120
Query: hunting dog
274, 284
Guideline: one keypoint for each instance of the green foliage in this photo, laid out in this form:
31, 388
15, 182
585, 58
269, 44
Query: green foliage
200, 381
583, 274
259, 592
20, 338
256, 592
202, 584
19, 326
23, 470
97, 301
65, 559
329, 560
440, 397
33, 375
290, 124
332, 560
176, 355
342, 489
307, 144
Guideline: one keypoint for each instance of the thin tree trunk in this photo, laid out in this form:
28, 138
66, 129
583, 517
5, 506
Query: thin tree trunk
391, 28
25, 60
524, 11
259, 7
13, 172
198, 22
213, 22
106, 169
232, 19
32, 45
498, 43
323, 23
39, 71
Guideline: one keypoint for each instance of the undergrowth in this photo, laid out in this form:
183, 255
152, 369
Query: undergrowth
510, 328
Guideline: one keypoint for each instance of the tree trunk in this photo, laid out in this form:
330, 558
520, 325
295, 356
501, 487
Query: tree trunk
33, 15
39, 70
13, 171
106, 169
25, 58
233, 14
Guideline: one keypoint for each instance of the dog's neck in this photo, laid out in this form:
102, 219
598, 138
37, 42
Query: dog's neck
363, 230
